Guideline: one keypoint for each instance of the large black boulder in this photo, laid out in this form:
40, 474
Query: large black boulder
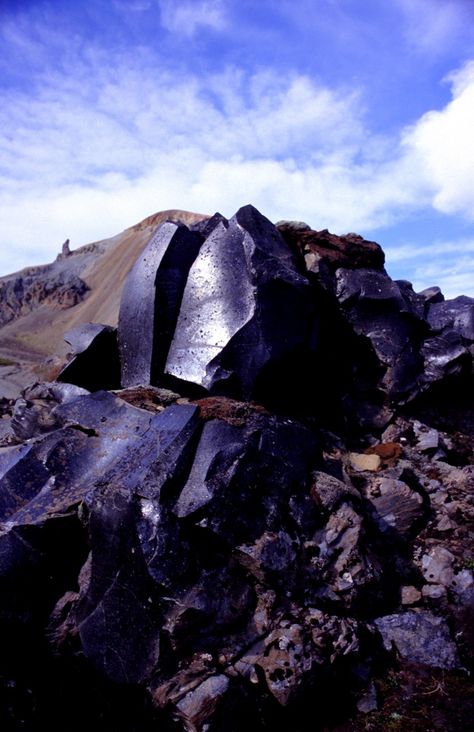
247, 312
215, 563
95, 364
151, 302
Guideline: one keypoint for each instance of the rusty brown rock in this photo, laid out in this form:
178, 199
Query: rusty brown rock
389, 452
350, 250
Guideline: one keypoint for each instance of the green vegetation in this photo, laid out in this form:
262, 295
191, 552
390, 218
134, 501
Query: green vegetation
6, 362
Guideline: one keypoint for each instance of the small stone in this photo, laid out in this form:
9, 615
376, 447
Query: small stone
427, 439
410, 595
419, 636
445, 524
389, 452
328, 491
368, 701
433, 592
200, 703
463, 580
361, 462
437, 566
397, 505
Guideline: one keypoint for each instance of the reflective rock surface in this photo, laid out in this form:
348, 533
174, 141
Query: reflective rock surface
275, 509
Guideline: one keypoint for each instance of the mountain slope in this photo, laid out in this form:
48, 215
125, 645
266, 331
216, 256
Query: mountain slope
38, 315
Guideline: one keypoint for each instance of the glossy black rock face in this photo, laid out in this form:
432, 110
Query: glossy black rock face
214, 564
95, 364
448, 352
228, 308
245, 307
151, 301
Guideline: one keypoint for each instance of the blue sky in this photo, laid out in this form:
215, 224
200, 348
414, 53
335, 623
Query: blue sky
352, 115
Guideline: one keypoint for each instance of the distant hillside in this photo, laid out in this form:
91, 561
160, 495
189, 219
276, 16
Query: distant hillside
39, 304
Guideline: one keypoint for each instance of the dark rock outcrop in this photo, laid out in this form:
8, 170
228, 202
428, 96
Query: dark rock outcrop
211, 558
151, 302
246, 312
96, 363
351, 250
23, 293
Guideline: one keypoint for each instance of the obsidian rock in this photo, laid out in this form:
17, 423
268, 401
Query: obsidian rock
151, 302
213, 556
96, 363
246, 309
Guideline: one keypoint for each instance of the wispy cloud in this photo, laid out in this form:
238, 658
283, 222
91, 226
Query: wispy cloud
108, 138
404, 252
454, 275
448, 264
88, 156
440, 147
186, 16
433, 26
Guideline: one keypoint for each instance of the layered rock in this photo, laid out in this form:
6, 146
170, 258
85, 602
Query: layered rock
21, 294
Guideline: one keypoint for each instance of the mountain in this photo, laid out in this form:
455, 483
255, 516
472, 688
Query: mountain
38, 305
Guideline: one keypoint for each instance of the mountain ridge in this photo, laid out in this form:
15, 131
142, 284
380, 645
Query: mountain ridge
36, 331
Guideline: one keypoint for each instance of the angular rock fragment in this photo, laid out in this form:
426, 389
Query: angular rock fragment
437, 566
151, 302
444, 355
95, 365
329, 492
447, 352
431, 295
361, 461
397, 506
416, 301
456, 314
388, 452
200, 704
271, 554
117, 618
410, 595
378, 311
350, 250
220, 447
368, 285
34, 411
420, 637
347, 563
291, 655
245, 309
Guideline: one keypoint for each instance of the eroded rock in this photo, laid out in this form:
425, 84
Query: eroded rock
420, 637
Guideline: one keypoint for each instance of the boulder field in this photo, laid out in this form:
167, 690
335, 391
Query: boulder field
251, 503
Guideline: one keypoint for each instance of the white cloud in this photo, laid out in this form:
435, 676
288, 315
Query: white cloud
441, 151
89, 156
454, 275
405, 252
434, 26
448, 264
108, 141
185, 16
